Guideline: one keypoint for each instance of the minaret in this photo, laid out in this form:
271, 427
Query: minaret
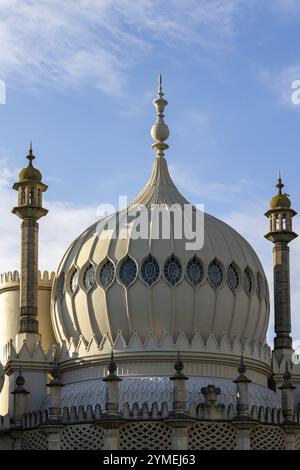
281, 234
30, 209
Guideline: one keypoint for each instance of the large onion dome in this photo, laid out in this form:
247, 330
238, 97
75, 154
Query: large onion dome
153, 287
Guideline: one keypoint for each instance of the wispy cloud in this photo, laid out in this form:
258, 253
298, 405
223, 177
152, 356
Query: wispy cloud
250, 222
206, 190
62, 225
65, 221
95, 42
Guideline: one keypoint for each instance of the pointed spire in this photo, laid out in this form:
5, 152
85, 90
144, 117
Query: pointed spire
112, 366
242, 366
178, 366
112, 369
30, 155
160, 130
279, 184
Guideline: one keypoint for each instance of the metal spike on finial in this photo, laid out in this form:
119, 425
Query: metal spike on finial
30, 155
279, 184
160, 91
160, 130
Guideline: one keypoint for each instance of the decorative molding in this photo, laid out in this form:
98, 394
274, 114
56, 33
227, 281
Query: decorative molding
256, 351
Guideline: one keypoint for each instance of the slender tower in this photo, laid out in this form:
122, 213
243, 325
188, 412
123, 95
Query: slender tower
281, 234
30, 209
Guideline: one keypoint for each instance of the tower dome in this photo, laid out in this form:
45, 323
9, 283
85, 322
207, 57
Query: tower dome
112, 283
280, 200
30, 173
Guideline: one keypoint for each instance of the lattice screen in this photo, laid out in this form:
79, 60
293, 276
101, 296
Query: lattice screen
149, 436
297, 442
34, 440
81, 436
267, 438
205, 436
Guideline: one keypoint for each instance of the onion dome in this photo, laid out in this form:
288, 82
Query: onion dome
30, 173
280, 200
109, 284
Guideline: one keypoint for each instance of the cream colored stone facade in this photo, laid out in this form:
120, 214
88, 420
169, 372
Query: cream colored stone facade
141, 343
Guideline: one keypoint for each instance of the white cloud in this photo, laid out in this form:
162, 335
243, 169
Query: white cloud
94, 42
249, 220
61, 226
65, 221
206, 190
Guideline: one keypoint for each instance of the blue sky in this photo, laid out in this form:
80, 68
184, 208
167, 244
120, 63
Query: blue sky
80, 77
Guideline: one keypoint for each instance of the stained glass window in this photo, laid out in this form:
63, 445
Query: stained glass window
173, 271
215, 273
128, 271
194, 271
89, 277
233, 277
107, 274
150, 270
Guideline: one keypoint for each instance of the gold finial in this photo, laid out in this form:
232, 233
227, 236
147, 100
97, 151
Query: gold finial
160, 130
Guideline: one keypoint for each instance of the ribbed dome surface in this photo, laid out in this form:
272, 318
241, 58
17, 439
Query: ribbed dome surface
103, 284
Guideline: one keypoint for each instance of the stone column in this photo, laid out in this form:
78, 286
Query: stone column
179, 379
111, 421
55, 387
112, 388
282, 307
242, 395
29, 274
287, 396
242, 421
20, 400
111, 436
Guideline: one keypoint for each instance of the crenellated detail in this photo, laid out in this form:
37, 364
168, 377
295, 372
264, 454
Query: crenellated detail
13, 277
257, 351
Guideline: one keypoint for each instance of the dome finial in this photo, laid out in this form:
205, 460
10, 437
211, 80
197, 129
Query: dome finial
160, 130
30, 155
279, 184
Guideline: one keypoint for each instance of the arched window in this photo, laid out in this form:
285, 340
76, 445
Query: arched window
195, 271
172, 271
107, 274
150, 270
233, 276
215, 273
89, 277
128, 271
